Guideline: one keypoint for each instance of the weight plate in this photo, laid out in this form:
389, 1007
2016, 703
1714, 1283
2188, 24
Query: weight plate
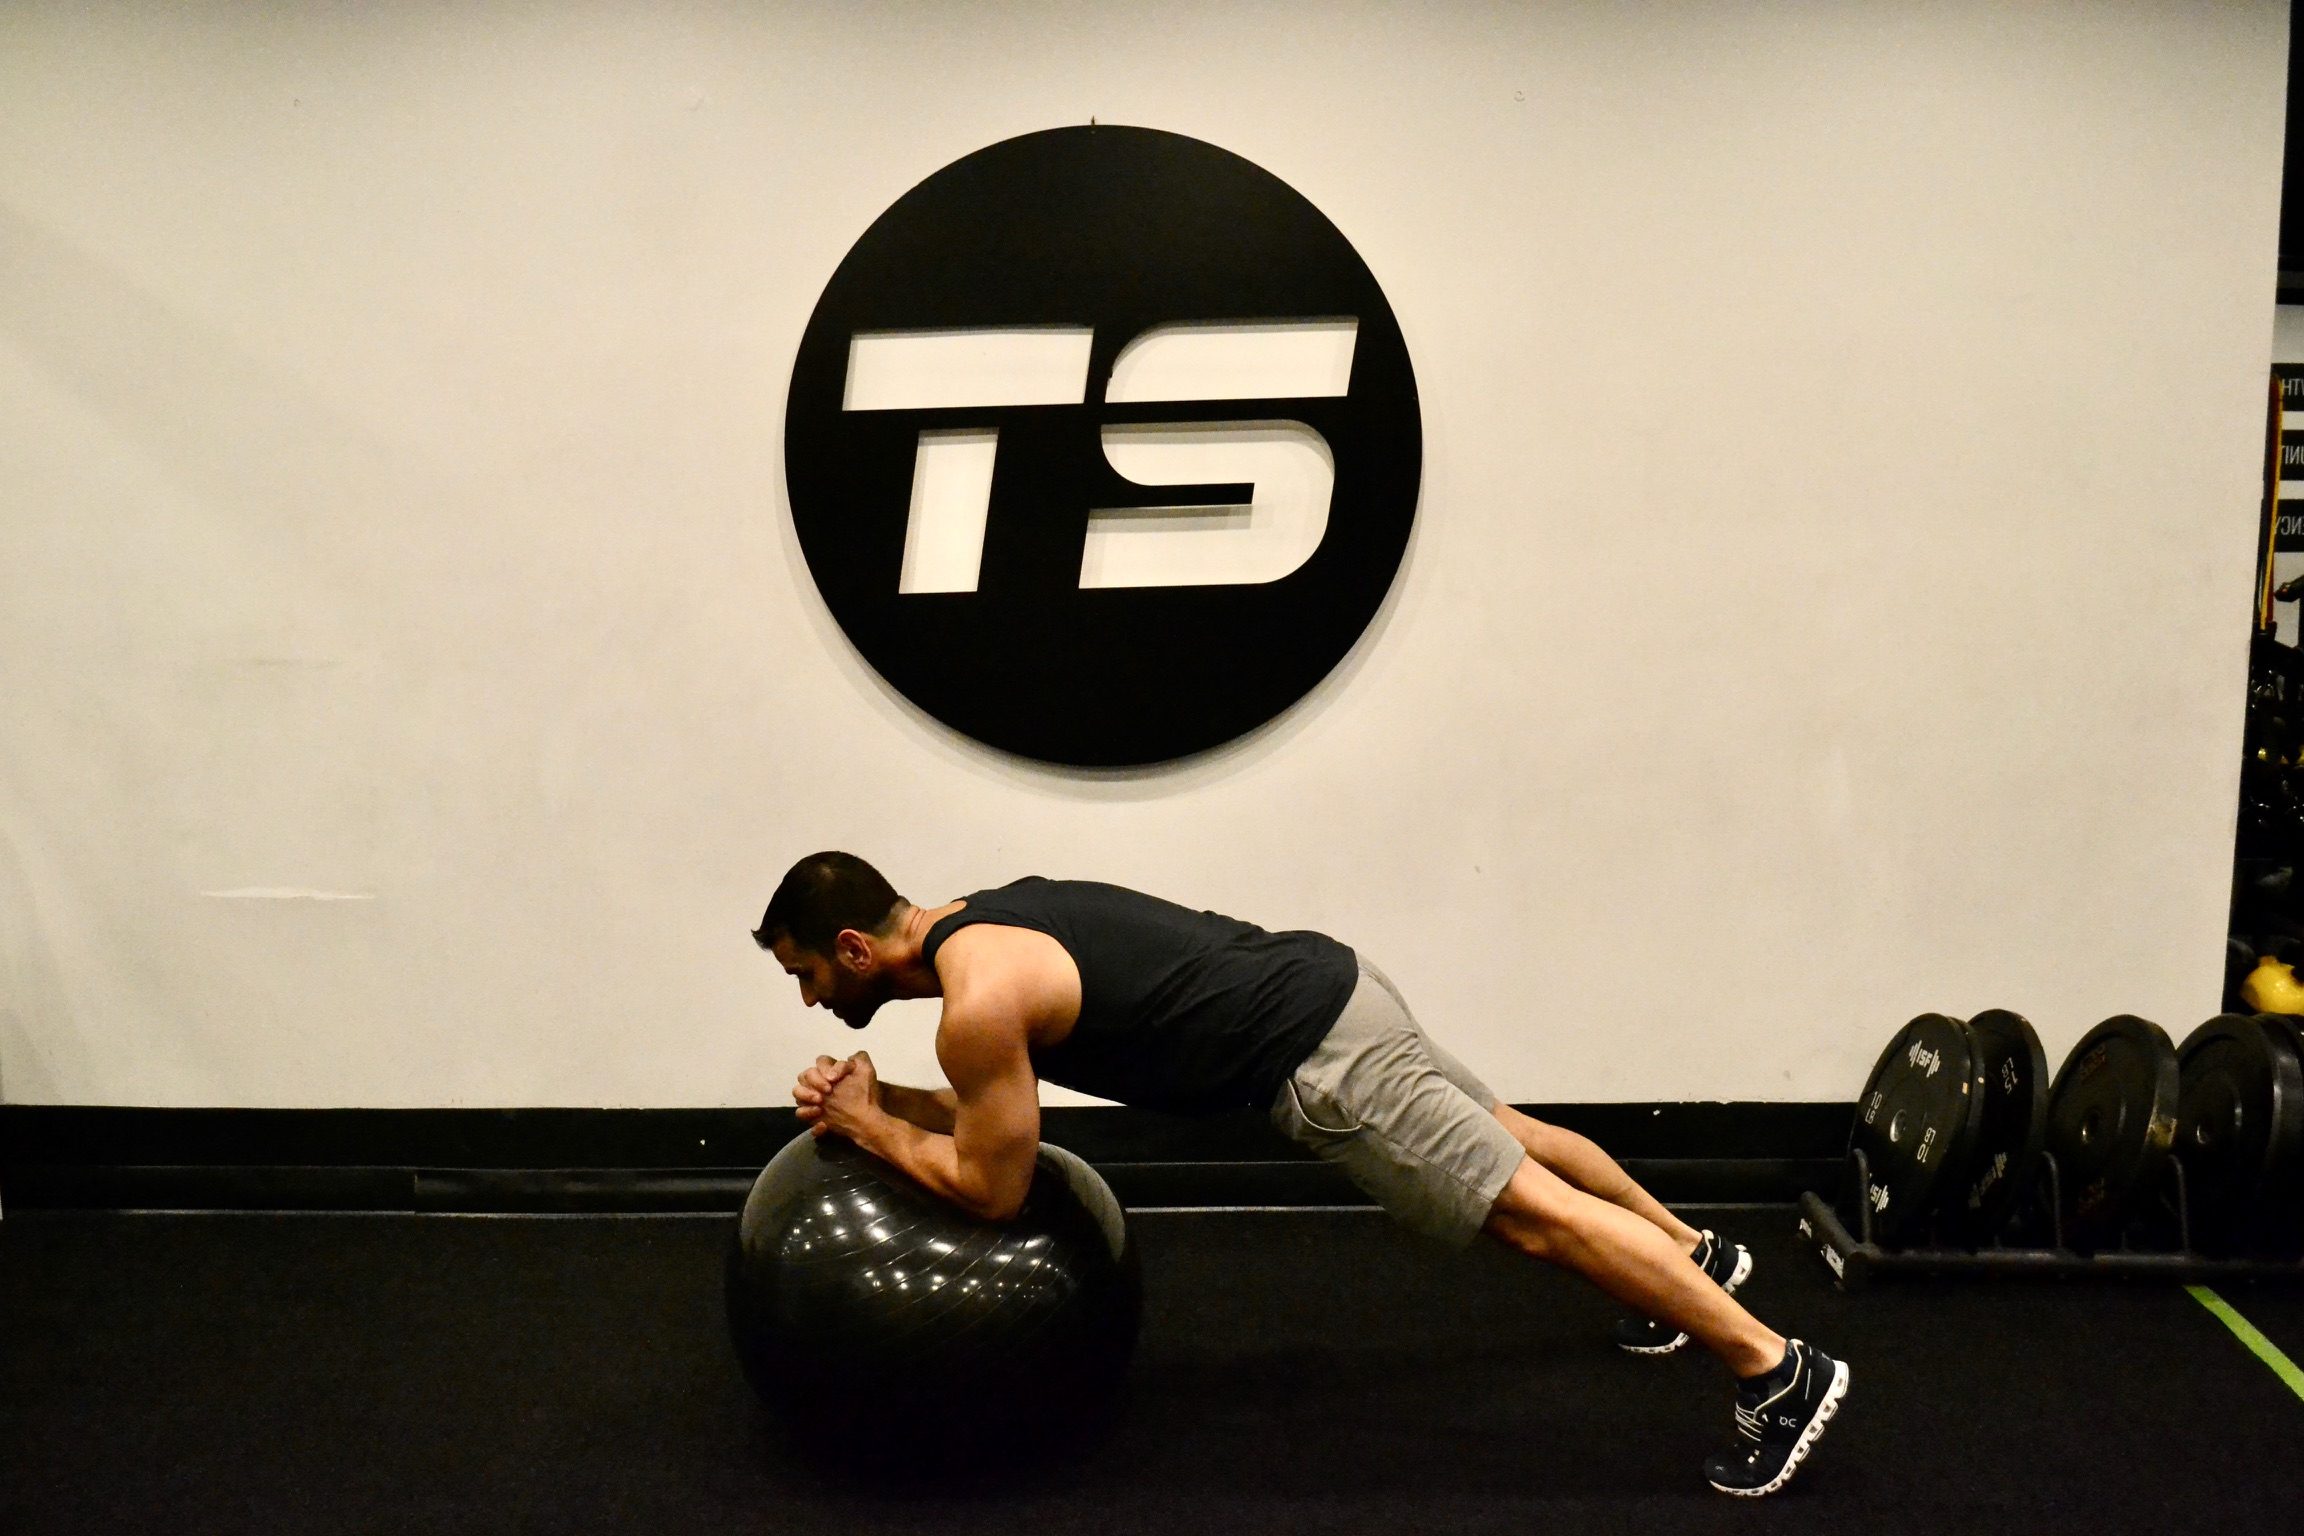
1916, 1124
2013, 1122
2112, 1122
2281, 1216
2239, 1123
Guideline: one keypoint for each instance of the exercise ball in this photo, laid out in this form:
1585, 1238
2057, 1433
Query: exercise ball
881, 1324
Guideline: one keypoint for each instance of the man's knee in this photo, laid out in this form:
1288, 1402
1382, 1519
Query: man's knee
1523, 1128
1531, 1213
1548, 1144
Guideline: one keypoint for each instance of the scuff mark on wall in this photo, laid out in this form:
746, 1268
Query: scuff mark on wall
287, 893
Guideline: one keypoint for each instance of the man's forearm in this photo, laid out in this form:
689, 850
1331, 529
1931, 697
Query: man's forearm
931, 1109
930, 1157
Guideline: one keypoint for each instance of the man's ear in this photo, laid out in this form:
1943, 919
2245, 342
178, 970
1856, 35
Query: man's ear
852, 950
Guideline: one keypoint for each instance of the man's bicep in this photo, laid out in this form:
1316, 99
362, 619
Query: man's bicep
994, 1090
996, 1120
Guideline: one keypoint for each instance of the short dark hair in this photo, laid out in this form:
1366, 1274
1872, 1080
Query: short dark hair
823, 894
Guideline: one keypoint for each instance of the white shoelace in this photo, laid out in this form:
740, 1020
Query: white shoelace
1750, 1421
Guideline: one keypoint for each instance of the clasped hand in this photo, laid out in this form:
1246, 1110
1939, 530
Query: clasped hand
838, 1096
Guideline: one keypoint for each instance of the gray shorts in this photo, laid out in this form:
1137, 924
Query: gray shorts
1406, 1121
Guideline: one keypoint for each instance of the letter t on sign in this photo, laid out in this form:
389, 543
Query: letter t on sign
952, 468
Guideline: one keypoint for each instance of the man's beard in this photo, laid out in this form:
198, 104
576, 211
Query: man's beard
859, 1013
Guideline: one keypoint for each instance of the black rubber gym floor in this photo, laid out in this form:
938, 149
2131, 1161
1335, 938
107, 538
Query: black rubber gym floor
1299, 1372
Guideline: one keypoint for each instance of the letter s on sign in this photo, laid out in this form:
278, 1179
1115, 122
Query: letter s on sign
1288, 463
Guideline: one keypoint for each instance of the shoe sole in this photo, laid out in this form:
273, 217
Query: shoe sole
1808, 1437
1743, 1273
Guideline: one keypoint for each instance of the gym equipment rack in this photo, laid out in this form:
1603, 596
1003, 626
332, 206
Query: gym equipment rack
2155, 1245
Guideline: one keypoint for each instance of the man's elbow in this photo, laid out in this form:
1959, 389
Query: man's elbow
1001, 1199
983, 1206
1001, 1210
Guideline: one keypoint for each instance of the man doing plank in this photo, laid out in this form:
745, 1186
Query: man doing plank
1135, 999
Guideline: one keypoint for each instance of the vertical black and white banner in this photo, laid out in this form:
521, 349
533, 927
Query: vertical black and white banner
2288, 487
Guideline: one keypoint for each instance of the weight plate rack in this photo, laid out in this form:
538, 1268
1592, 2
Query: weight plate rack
2136, 1163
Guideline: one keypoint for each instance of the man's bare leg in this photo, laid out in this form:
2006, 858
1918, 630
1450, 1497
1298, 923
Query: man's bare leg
1632, 1258
1580, 1161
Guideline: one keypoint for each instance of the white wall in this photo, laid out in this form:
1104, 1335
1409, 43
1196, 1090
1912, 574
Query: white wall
390, 507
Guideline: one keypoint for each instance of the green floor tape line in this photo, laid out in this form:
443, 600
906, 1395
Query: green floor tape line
2245, 1331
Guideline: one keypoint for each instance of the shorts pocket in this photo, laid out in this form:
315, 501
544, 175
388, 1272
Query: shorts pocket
1313, 1115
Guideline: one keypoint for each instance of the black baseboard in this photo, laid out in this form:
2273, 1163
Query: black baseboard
71, 1157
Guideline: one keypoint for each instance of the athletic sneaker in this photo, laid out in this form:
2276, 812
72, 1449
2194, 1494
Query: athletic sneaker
1779, 1416
1730, 1264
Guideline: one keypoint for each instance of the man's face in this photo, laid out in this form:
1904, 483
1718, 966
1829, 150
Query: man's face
852, 994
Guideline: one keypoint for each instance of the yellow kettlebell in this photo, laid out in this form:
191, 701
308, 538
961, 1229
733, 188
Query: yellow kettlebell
2273, 988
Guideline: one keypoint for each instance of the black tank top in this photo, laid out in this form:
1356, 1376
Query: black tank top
1179, 1010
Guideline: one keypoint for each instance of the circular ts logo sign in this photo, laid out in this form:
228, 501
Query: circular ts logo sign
1103, 445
